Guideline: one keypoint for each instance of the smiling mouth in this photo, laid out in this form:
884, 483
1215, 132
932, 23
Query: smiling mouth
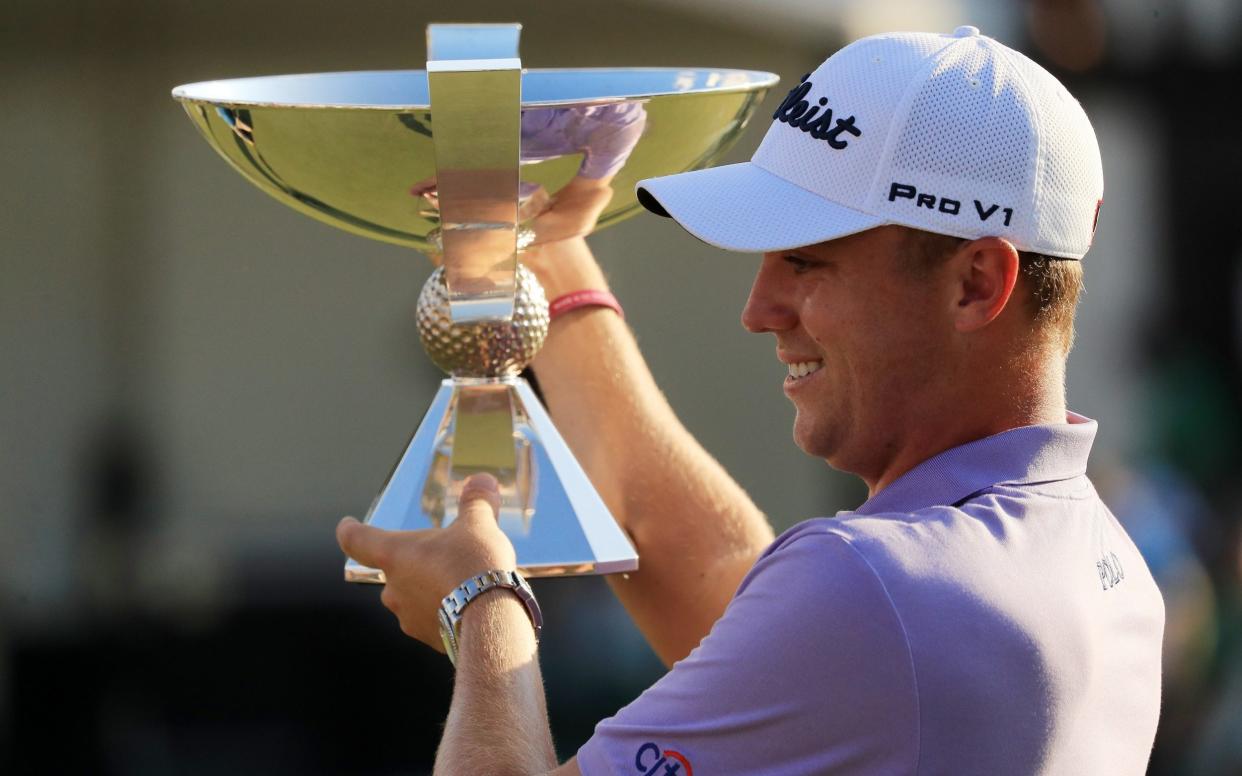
801, 369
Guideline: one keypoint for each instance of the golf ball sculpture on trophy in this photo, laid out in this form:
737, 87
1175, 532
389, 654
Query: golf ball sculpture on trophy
473, 161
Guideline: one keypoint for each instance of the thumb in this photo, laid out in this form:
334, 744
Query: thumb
480, 499
364, 543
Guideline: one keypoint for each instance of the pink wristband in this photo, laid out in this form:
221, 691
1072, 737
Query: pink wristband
586, 298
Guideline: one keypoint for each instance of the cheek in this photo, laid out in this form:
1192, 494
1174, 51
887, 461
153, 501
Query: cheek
883, 349
867, 327
843, 330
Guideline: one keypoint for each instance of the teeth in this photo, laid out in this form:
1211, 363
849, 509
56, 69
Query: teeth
803, 368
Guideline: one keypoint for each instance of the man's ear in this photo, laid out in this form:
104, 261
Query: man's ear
986, 272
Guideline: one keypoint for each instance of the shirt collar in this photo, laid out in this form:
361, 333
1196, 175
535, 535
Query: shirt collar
1028, 455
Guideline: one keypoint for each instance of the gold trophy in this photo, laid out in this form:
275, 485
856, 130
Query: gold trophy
472, 161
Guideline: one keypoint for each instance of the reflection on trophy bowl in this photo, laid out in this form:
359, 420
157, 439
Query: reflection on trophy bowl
486, 348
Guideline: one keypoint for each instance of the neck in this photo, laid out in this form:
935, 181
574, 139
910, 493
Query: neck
1018, 395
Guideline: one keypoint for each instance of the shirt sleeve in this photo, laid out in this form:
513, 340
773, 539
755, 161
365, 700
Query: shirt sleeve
808, 671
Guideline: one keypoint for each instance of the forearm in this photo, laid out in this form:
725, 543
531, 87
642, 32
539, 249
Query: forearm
498, 722
696, 530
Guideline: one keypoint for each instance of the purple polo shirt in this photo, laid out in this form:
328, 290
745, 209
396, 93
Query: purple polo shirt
983, 614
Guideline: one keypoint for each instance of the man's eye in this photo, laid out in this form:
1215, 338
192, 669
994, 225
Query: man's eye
798, 263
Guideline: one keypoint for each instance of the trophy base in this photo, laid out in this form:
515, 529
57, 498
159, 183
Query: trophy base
557, 522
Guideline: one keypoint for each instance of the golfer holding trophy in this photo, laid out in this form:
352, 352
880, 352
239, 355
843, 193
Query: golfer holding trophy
922, 203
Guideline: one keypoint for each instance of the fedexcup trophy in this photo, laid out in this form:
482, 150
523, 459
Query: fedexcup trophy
473, 161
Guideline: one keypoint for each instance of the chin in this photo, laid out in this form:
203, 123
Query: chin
815, 442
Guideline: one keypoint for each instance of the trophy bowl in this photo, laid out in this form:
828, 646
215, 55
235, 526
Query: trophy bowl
509, 158
356, 149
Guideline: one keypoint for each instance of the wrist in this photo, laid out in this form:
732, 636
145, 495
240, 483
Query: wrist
495, 633
487, 616
475, 600
583, 299
565, 266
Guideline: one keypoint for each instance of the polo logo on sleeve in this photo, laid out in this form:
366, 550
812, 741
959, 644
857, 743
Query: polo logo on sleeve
799, 113
1110, 571
650, 760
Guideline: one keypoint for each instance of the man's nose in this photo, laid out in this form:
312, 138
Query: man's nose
768, 309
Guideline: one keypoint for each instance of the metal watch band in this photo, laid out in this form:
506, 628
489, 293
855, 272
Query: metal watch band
455, 603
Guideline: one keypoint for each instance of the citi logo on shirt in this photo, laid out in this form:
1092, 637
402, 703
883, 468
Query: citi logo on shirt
650, 760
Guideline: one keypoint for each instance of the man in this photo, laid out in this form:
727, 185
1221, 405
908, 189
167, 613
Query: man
921, 202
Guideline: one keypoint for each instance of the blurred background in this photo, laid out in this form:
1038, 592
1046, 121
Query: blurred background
197, 382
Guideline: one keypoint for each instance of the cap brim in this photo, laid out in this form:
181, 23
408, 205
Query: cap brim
742, 207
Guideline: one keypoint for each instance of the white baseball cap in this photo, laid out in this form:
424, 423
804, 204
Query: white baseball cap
955, 134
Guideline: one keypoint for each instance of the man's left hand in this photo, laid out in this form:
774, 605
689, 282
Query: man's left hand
424, 566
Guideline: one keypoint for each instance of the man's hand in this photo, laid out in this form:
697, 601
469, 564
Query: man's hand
424, 566
498, 722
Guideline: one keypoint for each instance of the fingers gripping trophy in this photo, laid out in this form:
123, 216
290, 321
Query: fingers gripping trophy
473, 161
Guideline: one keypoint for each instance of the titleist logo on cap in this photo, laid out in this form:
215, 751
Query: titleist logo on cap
800, 114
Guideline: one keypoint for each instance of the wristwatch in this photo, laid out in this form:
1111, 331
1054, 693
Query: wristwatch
456, 602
